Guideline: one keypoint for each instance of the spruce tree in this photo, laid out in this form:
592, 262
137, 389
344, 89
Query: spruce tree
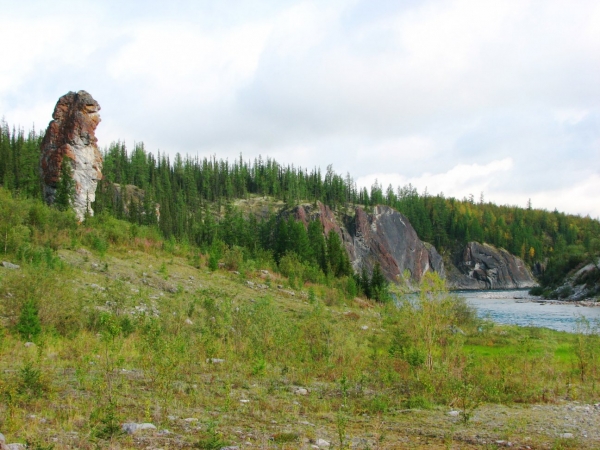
65, 190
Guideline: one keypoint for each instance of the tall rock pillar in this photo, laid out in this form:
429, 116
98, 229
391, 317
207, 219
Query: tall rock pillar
72, 134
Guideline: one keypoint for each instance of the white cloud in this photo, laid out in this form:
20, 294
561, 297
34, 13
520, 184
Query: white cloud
459, 182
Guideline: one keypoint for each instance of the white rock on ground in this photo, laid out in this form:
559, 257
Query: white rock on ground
132, 427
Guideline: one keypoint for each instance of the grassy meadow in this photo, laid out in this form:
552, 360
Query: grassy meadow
105, 323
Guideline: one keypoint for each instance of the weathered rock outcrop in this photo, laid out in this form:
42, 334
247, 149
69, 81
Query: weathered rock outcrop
72, 134
387, 237
583, 283
482, 266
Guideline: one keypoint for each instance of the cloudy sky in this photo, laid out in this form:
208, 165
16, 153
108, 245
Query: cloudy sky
456, 96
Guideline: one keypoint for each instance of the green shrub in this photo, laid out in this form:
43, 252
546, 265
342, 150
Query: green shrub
417, 402
30, 382
536, 290
29, 326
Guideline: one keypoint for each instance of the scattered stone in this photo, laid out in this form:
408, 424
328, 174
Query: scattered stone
29, 344
250, 283
265, 272
454, 413
566, 435
190, 420
132, 427
215, 360
364, 327
301, 391
2, 439
9, 265
231, 447
322, 443
188, 321
16, 446
244, 400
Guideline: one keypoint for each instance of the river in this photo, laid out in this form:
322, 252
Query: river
520, 308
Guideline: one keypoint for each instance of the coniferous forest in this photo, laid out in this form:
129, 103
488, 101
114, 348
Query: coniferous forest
196, 199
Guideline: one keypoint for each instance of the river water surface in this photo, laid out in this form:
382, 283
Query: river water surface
520, 308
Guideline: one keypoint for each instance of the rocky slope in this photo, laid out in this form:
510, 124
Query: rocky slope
582, 284
482, 266
386, 236
71, 134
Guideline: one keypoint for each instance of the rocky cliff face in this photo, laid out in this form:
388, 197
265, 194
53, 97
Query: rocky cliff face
482, 266
387, 237
72, 134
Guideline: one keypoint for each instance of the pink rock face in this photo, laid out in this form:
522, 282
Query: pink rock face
387, 237
72, 134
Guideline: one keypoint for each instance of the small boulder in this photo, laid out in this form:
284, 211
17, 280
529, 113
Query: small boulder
132, 427
9, 265
322, 443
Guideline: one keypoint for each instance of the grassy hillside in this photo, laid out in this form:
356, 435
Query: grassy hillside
106, 323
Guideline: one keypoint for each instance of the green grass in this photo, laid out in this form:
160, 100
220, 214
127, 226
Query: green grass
127, 329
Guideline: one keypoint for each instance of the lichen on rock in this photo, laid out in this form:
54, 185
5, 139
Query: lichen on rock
71, 134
